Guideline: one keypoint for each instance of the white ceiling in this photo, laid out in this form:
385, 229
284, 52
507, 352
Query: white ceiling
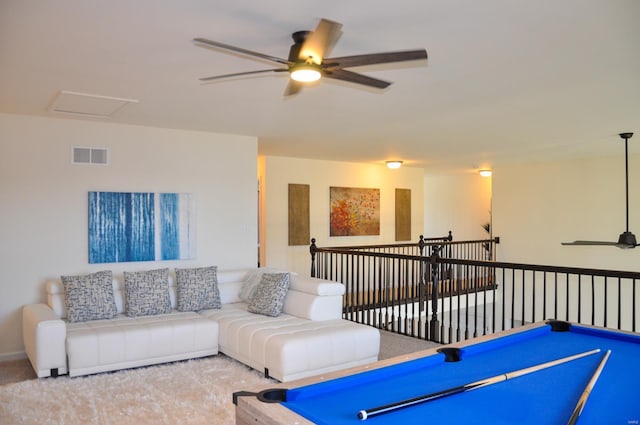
506, 80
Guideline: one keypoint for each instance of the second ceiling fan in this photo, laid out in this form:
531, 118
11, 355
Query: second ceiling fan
626, 239
307, 59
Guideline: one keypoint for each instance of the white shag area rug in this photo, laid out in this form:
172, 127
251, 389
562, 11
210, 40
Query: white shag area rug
192, 392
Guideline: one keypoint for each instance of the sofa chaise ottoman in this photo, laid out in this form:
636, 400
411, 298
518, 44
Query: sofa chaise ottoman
308, 338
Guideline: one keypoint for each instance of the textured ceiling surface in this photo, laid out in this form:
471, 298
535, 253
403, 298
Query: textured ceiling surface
506, 80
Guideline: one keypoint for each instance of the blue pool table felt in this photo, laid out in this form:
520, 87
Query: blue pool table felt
543, 397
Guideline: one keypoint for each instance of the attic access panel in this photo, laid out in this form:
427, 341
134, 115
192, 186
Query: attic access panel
88, 105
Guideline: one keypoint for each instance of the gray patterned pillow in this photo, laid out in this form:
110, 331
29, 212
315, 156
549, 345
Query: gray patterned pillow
147, 292
268, 298
89, 297
198, 288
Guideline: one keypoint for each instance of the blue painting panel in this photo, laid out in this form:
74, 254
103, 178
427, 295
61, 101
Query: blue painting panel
176, 227
121, 227
169, 232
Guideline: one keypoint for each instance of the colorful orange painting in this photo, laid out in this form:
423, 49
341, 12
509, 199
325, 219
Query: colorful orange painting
354, 211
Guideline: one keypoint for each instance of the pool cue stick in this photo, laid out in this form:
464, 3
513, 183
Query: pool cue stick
577, 411
364, 414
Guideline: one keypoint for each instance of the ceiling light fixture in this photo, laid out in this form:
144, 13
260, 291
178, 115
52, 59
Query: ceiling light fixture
485, 173
306, 72
394, 164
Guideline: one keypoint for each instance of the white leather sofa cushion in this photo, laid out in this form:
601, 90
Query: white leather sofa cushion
315, 286
312, 307
288, 347
229, 284
125, 342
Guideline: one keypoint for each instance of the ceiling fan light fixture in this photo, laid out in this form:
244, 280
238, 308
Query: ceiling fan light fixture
394, 164
306, 72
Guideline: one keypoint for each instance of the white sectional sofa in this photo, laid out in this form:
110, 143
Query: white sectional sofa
308, 337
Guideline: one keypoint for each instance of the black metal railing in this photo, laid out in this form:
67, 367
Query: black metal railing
442, 296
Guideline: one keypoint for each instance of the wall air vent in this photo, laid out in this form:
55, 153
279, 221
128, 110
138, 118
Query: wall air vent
82, 155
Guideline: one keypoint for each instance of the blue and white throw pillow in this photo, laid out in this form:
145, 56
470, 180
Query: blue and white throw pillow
268, 297
198, 289
147, 292
89, 297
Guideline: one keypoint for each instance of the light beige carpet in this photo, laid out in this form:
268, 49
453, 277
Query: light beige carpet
188, 393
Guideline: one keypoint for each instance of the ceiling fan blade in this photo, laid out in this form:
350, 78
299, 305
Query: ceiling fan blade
591, 243
240, 50
352, 77
238, 74
376, 58
600, 243
293, 87
320, 41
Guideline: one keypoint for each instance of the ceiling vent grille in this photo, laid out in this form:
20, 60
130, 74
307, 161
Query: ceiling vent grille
83, 155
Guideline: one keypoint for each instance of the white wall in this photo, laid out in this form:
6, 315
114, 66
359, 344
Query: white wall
457, 202
43, 209
279, 172
538, 206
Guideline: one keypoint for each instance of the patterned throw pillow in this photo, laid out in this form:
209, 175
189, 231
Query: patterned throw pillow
147, 293
268, 298
89, 297
198, 288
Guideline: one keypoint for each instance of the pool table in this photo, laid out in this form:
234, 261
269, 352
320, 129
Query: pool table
546, 396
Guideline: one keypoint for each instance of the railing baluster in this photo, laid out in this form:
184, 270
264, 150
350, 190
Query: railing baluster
593, 300
555, 298
633, 306
544, 297
606, 303
533, 297
504, 288
523, 321
568, 282
579, 298
619, 305
513, 298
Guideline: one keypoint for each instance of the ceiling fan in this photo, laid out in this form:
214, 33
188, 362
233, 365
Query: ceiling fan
307, 59
626, 238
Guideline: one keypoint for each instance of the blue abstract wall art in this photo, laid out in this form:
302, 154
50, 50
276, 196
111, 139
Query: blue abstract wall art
140, 226
177, 230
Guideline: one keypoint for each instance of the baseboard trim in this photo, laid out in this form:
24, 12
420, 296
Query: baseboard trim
18, 355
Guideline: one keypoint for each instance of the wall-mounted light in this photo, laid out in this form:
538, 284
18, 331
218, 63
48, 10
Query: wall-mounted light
394, 164
485, 173
306, 72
